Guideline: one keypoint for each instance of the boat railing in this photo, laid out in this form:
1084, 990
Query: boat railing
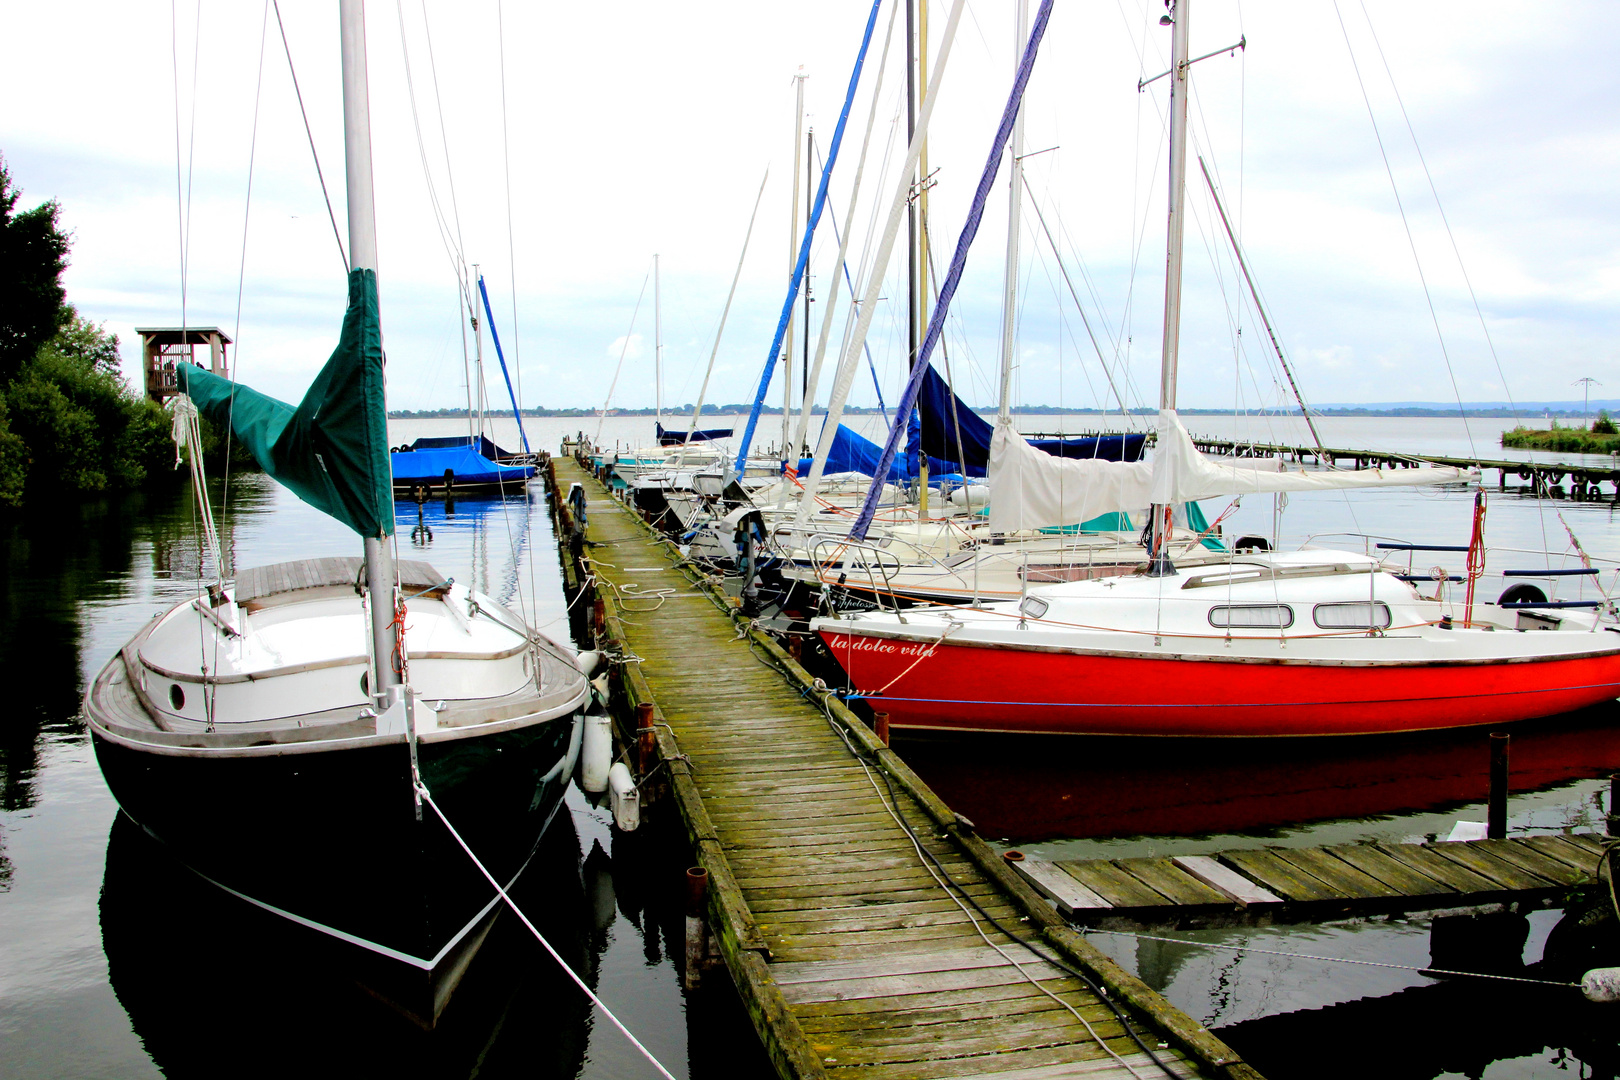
838, 550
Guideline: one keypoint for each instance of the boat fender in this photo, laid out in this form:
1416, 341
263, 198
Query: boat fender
1601, 984
589, 660
565, 764
597, 757
625, 798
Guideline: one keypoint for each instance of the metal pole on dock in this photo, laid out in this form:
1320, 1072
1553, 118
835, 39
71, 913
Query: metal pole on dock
697, 927
1496, 813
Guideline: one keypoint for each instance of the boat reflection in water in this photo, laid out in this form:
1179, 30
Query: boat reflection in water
1031, 788
214, 986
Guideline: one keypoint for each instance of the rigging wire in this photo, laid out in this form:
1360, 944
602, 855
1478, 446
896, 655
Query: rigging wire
1433, 190
313, 153
623, 349
1407, 226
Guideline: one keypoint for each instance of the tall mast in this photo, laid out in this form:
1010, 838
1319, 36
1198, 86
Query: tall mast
804, 348
1159, 559
1178, 197
793, 255
919, 288
363, 256
478, 352
1015, 207
658, 348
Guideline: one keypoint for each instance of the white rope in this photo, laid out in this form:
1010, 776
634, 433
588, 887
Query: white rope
427, 797
188, 436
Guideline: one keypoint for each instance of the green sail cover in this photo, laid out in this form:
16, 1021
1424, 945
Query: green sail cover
332, 450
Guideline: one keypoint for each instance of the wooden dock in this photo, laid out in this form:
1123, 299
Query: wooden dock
869, 931
1277, 885
1544, 477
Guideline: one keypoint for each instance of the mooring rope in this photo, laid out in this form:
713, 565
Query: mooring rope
427, 797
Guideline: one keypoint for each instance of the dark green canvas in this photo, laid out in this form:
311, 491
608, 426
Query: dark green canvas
332, 450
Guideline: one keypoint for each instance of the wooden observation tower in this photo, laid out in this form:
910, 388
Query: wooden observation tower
164, 346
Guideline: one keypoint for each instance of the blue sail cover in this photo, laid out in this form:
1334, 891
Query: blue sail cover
428, 467
483, 444
853, 453
948, 423
667, 437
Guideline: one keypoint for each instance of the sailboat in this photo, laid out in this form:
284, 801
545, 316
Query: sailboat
1314, 642
275, 730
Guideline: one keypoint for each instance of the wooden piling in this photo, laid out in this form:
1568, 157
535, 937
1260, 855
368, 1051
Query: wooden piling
1496, 813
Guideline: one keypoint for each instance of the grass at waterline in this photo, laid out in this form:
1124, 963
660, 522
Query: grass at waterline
1570, 440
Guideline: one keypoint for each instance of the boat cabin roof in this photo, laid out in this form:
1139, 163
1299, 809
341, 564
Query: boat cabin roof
259, 582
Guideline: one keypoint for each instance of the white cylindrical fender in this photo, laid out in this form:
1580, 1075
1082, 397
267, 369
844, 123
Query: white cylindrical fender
589, 661
626, 799
1601, 984
597, 755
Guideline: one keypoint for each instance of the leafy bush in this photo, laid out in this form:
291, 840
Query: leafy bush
1603, 425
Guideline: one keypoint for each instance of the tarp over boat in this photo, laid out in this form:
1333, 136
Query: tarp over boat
854, 453
1030, 490
667, 437
952, 431
429, 466
331, 450
483, 444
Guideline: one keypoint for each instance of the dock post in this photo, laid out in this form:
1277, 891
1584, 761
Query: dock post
646, 738
880, 727
1496, 814
697, 926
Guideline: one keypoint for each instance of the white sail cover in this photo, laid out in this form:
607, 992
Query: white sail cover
1030, 489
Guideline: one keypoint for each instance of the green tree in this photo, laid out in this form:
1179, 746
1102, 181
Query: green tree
33, 254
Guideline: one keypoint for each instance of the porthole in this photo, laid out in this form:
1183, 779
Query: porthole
1252, 616
365, 684
177, 697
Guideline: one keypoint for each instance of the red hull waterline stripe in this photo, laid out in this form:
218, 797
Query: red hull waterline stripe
1121, 695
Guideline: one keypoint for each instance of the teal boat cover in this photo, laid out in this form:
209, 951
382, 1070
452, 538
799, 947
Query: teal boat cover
332, 449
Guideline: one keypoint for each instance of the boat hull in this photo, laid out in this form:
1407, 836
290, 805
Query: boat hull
331, 840
995, 687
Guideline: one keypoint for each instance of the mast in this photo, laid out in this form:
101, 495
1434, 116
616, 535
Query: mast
804, 349
1179, 86
478, 356
658, 348
1015, 206
1178, 198
793, 256
919, 284
363, 256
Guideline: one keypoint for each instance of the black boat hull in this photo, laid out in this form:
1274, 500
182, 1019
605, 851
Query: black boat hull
332, 840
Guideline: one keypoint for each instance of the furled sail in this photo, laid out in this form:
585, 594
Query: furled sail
1032, 490
331, 449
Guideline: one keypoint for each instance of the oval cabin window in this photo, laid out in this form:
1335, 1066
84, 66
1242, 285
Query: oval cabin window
1252, 616
1361, 615
177, 697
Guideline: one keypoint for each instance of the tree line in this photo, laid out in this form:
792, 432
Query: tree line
70, 423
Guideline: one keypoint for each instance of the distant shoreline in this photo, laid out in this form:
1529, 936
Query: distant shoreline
1528, 411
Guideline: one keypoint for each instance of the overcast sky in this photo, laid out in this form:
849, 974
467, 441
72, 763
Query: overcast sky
639, 128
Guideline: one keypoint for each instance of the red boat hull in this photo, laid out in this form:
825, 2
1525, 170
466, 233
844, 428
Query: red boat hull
961, 687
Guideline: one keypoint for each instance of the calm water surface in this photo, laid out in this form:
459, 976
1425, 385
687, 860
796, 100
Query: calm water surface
114, 962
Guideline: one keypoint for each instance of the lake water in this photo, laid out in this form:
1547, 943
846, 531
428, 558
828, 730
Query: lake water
115, 963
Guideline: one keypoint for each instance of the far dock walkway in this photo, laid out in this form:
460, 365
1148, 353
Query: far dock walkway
850, 952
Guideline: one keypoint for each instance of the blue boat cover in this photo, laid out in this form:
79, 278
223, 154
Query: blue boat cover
853, 453
946, 419
428, 467
486, 448
667, 437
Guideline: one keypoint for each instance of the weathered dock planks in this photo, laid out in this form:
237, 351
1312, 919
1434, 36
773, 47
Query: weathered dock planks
829, 859
1307, 884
